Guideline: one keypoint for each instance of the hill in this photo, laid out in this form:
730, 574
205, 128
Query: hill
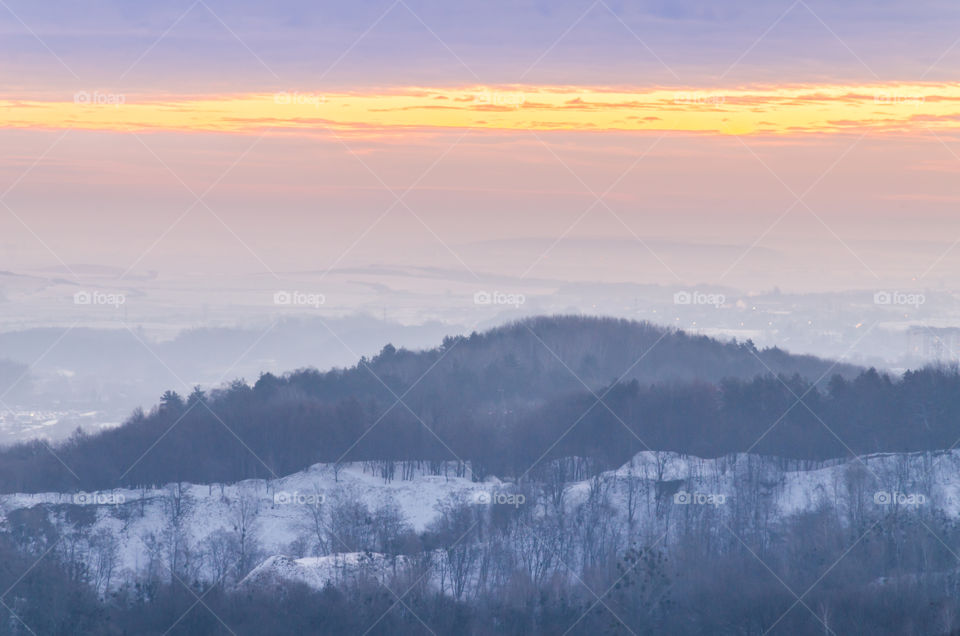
507, 401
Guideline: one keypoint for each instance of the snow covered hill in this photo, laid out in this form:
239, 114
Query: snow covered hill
304, 526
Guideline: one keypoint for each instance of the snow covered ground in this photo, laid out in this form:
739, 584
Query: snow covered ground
653, 488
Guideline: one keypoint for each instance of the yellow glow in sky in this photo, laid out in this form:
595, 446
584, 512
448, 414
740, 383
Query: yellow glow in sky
896, 108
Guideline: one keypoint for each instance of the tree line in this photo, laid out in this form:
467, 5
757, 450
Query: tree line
548, 568
284, 424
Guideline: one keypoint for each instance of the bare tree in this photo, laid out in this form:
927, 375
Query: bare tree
177, 503
313, 519
104, 549
244, 511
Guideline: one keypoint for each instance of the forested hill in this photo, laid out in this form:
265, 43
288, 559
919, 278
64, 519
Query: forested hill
543, 356
535, 360
504, 400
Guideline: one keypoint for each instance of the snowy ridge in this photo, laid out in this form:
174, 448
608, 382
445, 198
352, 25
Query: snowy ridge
140, 520
126, 534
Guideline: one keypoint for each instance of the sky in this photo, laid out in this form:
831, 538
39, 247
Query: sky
802, 145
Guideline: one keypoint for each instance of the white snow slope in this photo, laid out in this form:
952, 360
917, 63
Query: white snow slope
664, 486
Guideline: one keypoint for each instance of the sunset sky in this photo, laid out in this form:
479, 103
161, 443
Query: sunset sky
808, 145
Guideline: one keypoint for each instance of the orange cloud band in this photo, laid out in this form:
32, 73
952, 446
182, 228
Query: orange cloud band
787, 110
